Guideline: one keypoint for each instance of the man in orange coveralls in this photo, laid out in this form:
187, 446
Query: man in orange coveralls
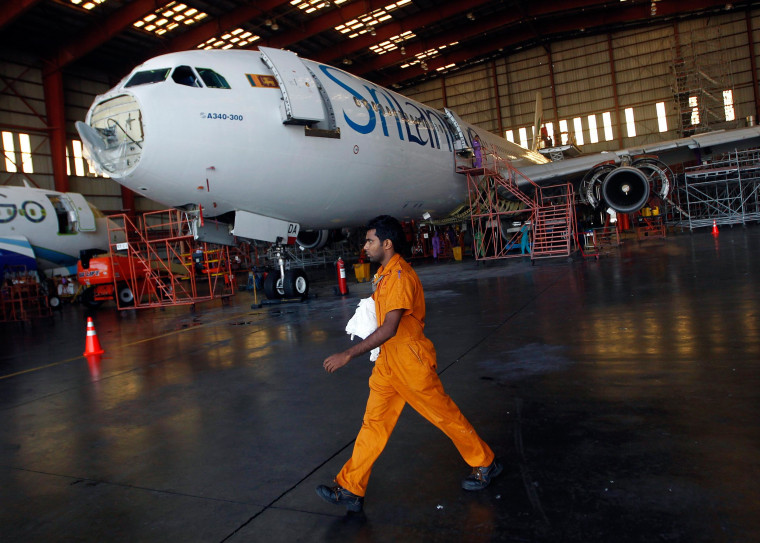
405, 372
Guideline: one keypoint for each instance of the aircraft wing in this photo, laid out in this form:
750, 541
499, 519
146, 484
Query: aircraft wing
697, 147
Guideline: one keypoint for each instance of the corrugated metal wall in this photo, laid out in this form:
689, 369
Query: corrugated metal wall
604, 73
591, 76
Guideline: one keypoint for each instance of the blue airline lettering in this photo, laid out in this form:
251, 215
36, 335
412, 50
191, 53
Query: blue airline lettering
360, 128
10, 215
419, 139
31, 210
376, 103
395, 114
374, 106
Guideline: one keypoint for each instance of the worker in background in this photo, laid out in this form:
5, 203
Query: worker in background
436, 241
198, 259
477, 152
405, 372
480, 250
525, 238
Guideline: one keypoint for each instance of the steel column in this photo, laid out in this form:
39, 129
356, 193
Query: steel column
52, 83
615, 97
498, 100
753, 62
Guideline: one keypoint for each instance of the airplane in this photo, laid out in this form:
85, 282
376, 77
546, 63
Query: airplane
47, 230
286, 149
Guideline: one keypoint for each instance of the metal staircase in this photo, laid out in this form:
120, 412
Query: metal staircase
161, 270
501, 207
554, 225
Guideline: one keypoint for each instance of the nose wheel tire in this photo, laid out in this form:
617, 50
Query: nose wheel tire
296, 284
273, 286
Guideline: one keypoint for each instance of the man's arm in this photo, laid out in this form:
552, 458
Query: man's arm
375, 339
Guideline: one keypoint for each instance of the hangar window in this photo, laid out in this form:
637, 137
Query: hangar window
694, 105
550, 133
578, 125
523, 137
728, 104
184, 75
662, 118
607, 122
593, 135
26, 153
147, 77
630, 122
563, 132
212, 79
510, 135
76, 146
9, 150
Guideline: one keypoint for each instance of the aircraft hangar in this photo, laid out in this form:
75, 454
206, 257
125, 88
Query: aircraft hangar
606, 351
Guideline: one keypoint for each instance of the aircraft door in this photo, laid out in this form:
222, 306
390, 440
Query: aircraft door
84, 216
301, 98
460, 142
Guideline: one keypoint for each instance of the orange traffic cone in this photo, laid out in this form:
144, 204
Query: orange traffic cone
92, 345
715, 228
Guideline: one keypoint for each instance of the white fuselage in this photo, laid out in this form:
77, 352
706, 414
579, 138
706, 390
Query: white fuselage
228, 149
52, 223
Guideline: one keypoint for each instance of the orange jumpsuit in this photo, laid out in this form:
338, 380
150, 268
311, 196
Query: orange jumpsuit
405, 372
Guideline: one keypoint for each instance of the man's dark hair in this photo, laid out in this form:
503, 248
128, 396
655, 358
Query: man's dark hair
387, 227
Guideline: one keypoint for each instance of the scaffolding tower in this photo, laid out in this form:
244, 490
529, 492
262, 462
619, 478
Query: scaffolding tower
726, 190
699, 83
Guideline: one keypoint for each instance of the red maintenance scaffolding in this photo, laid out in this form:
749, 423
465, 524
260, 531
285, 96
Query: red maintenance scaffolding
166, 265
503, 214
23, 297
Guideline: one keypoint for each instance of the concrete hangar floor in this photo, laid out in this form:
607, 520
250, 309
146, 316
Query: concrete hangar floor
622, 395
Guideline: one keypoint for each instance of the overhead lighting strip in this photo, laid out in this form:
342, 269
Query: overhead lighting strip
426, 55
366, 23
237, 38
169, 17
394, 43
90, 4
310, 6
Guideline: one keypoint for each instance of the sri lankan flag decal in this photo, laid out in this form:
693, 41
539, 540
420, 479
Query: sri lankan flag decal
266, 81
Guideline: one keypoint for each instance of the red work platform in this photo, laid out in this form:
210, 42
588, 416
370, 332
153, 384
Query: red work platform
500, 209
162, 271
22, 297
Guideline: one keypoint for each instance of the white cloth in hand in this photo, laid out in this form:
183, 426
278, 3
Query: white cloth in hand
363, 323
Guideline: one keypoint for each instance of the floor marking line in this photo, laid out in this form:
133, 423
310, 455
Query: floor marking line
52, 364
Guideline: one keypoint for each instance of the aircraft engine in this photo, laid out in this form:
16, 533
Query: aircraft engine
626, 188
313, 239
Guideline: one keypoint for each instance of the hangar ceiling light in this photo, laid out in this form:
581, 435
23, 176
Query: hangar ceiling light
169, 17
393, 43
425, 55
310, 6
237, 38
88, 4
365, 23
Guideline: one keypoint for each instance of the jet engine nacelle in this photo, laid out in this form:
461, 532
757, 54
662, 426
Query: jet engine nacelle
626, 188
313, 239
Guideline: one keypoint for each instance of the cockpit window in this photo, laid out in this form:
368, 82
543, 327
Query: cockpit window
212, 79
148, 76
184, 75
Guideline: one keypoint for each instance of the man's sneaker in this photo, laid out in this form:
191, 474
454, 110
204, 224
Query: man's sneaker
338, 495
481, 476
